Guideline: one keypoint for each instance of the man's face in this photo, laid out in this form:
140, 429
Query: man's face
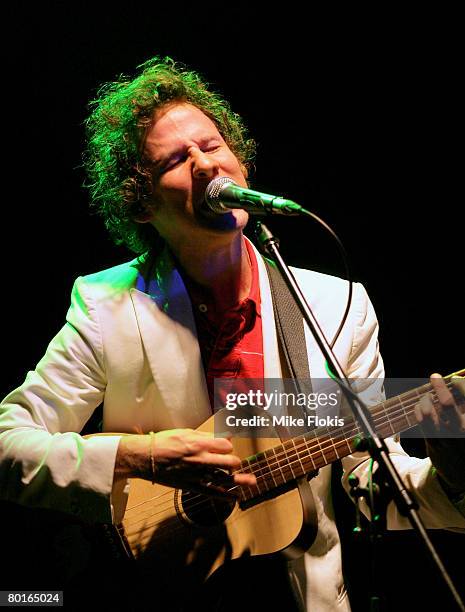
188, 152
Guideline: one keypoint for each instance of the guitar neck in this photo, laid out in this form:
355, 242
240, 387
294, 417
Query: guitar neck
309, 452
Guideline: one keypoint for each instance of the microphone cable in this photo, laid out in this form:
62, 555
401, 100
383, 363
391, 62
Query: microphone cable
343, 253
345, 261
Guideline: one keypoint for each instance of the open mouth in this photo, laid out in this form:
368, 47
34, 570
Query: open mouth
205, 211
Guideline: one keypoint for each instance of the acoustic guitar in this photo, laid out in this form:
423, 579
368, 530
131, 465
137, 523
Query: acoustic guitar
188, 536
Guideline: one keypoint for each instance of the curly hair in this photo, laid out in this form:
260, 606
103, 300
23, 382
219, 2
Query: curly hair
119, 175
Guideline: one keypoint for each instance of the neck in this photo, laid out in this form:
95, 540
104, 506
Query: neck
220, 272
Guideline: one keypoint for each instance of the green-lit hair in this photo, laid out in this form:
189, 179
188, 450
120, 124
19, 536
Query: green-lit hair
119, 175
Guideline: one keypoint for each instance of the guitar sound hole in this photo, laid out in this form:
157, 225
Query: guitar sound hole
205, 511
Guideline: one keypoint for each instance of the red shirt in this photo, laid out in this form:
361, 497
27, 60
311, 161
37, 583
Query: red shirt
234, 349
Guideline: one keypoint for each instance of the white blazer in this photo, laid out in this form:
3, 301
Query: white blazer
130, 342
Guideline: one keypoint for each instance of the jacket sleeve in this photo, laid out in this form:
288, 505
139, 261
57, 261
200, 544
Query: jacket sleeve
44, 462
366, 366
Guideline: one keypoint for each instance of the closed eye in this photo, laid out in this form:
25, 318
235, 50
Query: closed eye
176, 159
211, 148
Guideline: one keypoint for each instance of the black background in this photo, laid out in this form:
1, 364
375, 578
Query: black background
356, 114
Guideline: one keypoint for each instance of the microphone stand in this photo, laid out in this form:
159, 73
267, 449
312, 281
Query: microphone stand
377, 498
371, 441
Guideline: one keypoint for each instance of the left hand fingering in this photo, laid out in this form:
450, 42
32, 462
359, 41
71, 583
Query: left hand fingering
441, 415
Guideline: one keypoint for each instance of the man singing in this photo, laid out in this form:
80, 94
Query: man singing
149, 337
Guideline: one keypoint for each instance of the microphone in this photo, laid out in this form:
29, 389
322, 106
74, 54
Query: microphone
222, 194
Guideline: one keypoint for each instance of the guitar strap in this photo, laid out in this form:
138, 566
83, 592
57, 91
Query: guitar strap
291, 336
290, 329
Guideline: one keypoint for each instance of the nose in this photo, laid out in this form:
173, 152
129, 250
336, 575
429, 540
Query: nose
203, 165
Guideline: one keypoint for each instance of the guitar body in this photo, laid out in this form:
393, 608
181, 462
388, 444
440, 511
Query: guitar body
181, 539
189, 536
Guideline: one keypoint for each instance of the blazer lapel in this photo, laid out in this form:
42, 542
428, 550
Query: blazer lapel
167, 327
168, 332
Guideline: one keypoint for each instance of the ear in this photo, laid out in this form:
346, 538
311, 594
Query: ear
145, 215
245, 172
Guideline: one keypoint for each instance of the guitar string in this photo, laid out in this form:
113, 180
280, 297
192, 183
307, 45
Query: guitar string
204, 501
268, 468
173, 524
271, 468
256, 467
328, 443
292, 457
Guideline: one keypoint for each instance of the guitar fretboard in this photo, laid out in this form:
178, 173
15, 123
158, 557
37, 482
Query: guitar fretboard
311, 451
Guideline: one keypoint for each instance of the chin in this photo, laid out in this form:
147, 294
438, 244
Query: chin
233, 221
